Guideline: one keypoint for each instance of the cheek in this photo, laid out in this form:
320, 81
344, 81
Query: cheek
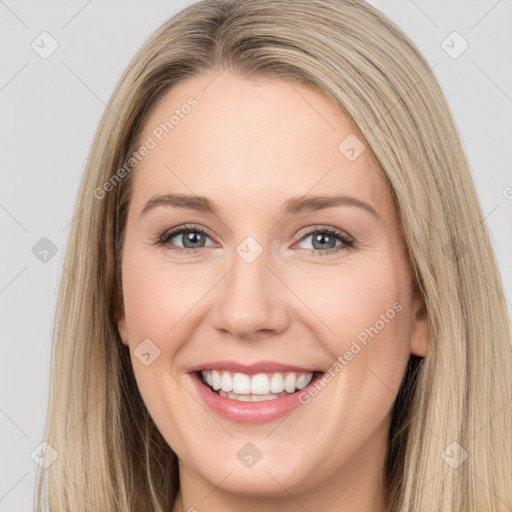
367, 318
362, 311
158, 296
156, 301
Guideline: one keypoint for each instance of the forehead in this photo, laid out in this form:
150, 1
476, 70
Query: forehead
260, 140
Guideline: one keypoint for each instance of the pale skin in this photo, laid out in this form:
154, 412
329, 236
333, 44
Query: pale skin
250, 146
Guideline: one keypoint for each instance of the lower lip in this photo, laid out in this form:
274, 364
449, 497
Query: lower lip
249, 412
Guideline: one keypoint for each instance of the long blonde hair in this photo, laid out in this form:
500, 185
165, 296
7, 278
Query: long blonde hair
110, 454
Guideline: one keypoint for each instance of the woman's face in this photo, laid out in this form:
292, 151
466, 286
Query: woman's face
257, 290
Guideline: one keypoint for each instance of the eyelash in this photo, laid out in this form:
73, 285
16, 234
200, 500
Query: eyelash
347, 243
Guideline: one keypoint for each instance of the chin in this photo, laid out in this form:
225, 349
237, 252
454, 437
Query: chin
264, 480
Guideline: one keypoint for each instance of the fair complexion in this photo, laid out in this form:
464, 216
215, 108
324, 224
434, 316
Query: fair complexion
250, 146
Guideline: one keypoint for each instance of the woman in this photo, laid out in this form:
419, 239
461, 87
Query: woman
281, 294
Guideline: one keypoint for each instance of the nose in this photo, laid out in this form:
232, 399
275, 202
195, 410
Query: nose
251, 301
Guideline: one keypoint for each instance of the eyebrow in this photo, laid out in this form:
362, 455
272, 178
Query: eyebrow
292, 206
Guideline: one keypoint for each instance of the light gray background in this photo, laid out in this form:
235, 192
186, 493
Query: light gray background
51, 108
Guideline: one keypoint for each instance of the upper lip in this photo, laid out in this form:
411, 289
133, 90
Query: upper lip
251, 368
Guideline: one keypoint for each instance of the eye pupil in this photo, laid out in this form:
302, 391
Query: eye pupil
194, 238
321, 238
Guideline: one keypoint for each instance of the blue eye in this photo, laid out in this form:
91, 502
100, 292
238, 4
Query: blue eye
194, 238
324, 240
191, 235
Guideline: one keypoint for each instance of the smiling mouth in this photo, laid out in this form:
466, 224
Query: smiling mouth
258, 387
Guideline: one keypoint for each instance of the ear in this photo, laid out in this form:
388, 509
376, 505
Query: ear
120, 319
121, 327
419, 325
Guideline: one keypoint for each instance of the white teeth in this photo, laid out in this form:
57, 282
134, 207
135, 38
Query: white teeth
259, 385
241, 384
303, 380
226, 382
289, 382
250, 398
277, 383
215, 379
